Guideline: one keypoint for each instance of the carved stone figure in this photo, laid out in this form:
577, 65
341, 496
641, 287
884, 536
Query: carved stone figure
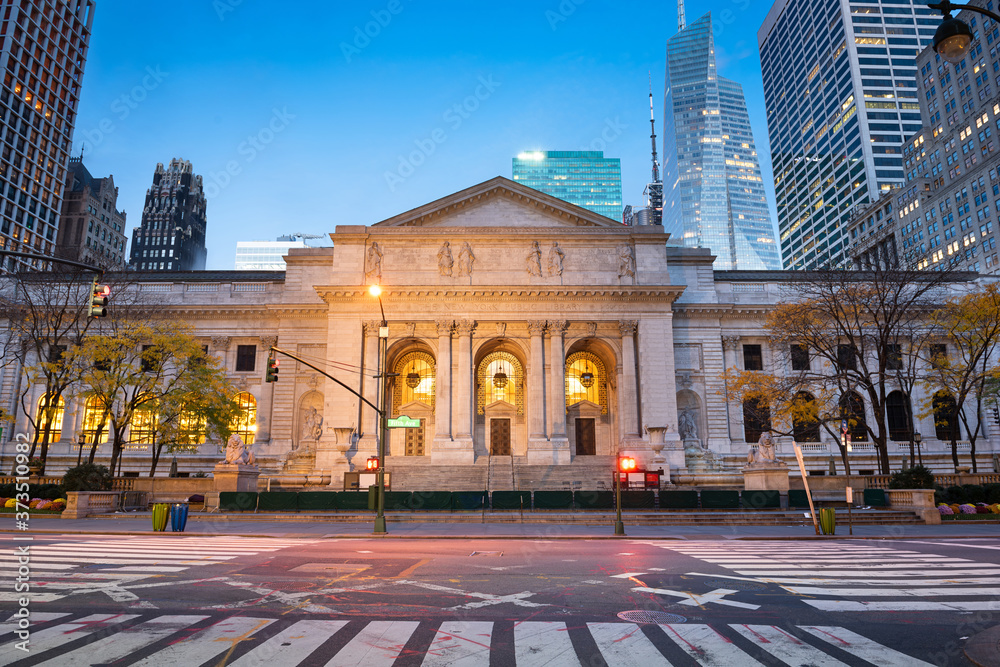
534, 260
556, 257
445, 260
237, 452
465, 260
687, 428
373, 264
765, 451
626, 261
312, 425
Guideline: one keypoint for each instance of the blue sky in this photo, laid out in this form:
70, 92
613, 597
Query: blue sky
299, 121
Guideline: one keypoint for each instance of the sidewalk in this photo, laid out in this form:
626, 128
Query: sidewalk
402, 527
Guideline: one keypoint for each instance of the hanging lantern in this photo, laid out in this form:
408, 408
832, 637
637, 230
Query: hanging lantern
500, 379
587, 380
412, 380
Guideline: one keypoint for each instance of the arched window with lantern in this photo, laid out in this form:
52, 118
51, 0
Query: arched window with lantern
245, 422
586, 380
415, 381
46, 407
95, 419
500, 378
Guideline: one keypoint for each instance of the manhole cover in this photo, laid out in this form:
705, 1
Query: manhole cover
486, 553
642, 616
736, 585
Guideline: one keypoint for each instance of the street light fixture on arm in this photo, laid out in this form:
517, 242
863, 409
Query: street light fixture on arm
953, 36
383, 340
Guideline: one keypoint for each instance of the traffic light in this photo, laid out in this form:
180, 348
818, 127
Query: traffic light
626, 464
371, 465
272, 370
99, 299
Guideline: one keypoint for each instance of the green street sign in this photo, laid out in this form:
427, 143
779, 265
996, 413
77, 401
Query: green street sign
402, 421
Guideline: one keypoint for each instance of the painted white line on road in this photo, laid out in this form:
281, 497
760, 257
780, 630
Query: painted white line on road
377, 645
957, 544
36, 617
855, 573
35, 566
885, 581
145, 568
693, 600
124, 642
460, 644
206, 643
541, 643
289, 647
862, 647
786, 647
130, 561
627, 575
853, 565
707, 647
8, 596
624, 645
892, 592
132, 553
57, 635
904, 605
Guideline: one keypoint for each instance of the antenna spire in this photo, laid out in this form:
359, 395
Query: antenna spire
681, 23
652, 127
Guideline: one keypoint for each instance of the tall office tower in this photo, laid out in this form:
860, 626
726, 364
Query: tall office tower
713, 193
43, 51
91, 228
840, 85
172, 234
584, 178
265, 255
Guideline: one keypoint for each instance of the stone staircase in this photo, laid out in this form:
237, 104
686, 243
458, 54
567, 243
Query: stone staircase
501, 475
596, 474
408, 475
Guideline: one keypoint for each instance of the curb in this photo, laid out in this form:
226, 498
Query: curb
983, 650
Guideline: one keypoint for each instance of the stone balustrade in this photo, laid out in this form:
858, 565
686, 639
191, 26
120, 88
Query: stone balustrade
80, 504
920, 501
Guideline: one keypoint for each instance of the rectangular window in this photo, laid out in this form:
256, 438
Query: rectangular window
893, 357
938, 354
246, 358
753, 358
847, 357
800, 358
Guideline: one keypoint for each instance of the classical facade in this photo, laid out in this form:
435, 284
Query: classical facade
523, 331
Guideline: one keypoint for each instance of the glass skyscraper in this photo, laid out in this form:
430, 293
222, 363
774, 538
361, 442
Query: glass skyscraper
713, 193
584, 178
840, 85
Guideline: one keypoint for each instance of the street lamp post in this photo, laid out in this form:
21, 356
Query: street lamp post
383, 341
917, 438
953, 36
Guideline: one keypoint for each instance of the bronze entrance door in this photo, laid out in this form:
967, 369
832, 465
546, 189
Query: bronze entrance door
415, 440
586, 441
500, 437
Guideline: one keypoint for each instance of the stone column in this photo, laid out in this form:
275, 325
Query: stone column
442, 388
628, 394
536, 382
734, 412
369, 418
461, 425
557, 378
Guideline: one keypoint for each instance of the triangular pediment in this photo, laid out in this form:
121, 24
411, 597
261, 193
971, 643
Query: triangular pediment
499, 202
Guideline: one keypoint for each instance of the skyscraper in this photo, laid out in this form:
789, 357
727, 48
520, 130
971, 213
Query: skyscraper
43, 51
265, 255
91, 228
584, 178
172, 234
713, 192
840, 87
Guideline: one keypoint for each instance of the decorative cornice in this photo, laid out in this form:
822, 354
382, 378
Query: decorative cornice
338, 295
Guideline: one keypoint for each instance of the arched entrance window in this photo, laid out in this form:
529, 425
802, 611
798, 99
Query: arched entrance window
756, 419
897, 412
56, 409
852, 408
945, 417
191, 430
245, 422
805, 426
143, 431
586, 380
415, 381
94, 420
500, 378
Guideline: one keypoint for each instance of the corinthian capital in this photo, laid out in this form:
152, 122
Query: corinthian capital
628, 327
444, 327
558, 327
536, 327
465, 327
730, 342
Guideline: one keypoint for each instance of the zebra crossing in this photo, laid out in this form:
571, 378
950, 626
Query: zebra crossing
843, 576
246, 641
60, 569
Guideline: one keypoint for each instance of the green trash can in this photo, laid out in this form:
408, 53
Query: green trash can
827, 521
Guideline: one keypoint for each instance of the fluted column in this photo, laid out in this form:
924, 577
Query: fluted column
557, 377
536, 381
629, 391
461, 427
442, 389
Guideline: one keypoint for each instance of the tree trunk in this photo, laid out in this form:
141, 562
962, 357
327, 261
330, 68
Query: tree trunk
972, 451
954, 453
882, 450
157, 452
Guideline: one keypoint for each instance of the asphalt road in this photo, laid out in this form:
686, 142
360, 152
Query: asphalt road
187, 600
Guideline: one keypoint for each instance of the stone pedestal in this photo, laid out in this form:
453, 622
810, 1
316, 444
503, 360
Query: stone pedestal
698, 459
236, 477
766, 477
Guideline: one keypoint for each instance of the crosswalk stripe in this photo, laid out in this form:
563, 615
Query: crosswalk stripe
775, 560
862, 647
786, 647
290, 646
904, 605
854, 573
131, 553
707, 646
124, 642
907, 581
56, 636
625, 645
34, 619
891, 592
379, 643
205, 644
10, 596
880, 567
460, 644
541, 643
39, 566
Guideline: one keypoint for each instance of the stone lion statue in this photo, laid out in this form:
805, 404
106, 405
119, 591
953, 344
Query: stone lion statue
237, 452
765, 450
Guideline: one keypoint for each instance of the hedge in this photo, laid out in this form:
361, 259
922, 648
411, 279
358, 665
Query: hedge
678, 499
44, 491
510, 500
720, 499
594, 500
760, 499
638, 500
237, 501
553, 500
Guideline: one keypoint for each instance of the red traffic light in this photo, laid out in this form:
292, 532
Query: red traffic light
371, 465
626, 464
